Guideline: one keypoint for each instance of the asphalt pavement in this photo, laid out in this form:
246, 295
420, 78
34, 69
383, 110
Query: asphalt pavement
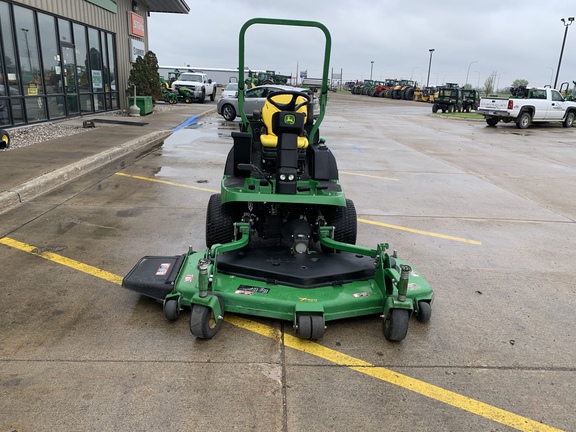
30, 171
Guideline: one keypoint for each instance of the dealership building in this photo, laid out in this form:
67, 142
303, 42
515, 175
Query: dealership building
66, 58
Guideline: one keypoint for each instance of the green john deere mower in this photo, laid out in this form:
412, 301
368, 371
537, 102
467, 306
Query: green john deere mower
281, 234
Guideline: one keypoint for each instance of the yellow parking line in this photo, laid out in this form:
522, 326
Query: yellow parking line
167, 182
404, 381
417, 386
50, 256
367, 175
366, 221
412, 230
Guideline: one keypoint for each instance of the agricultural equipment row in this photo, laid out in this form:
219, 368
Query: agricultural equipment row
447, 98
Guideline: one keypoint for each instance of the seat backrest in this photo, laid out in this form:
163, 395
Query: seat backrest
268, 110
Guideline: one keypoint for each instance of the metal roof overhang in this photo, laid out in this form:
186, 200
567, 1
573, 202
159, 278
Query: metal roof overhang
168, 6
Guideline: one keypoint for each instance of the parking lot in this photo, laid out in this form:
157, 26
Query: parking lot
486, 214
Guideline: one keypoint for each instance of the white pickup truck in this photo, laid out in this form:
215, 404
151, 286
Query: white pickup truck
539, 105
198, 83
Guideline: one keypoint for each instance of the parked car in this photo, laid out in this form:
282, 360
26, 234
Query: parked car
254, 101
231, 90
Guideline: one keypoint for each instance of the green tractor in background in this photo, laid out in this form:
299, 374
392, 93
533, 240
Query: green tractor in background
565, 91
262, 78
449, 99
470, 100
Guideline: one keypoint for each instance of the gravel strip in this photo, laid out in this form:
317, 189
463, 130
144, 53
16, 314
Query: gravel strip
29, 135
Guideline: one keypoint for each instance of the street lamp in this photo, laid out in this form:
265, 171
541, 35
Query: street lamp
566, 25
429, 65
551, 74
25, 30
467, 73
498, 82
371, 68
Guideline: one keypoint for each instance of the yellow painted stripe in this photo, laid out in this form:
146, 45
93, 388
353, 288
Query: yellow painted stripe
417, 386
367, 221
370, 176
167, 182
404, 381
50, 256
427, 233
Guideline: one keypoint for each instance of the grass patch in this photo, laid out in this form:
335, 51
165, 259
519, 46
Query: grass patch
467, 116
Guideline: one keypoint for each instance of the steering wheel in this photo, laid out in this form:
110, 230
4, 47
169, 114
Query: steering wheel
290, 105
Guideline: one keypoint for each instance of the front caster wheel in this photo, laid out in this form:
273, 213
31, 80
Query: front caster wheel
395, 324
424, 312
171, 309
309, 327
203, 323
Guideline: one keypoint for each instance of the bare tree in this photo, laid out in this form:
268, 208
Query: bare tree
489, 85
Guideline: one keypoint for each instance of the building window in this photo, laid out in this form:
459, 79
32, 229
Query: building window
51, 67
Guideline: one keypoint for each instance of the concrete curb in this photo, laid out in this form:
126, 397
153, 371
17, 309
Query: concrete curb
45, 183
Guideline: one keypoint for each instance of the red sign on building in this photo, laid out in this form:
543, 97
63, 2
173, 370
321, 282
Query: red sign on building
136, 25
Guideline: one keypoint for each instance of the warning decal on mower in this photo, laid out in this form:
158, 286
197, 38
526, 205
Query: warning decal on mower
188, 278
249, 290
413, 286
361, 294
163, 269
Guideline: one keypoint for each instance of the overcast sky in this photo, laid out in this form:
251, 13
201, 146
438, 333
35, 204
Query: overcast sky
516, 39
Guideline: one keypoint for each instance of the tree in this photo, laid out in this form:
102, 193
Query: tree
489, 85
520, 83
144, 75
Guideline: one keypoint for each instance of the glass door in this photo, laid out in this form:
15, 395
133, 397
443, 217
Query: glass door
70, 79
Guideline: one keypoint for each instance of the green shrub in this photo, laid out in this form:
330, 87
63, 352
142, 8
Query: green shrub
144, 75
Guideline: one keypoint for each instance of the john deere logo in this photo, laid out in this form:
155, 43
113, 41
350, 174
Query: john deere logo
289, 119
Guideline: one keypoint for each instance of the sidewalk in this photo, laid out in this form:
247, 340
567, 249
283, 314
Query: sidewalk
30, 171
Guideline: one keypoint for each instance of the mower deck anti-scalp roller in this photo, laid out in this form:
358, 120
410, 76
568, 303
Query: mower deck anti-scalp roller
281, 235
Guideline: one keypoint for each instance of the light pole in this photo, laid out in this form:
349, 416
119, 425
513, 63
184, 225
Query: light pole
371, 68
551, 74
566, 25
467, 73
429, 66
27, 48
498, 84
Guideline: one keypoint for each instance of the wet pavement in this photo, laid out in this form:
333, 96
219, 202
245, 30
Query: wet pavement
485, 214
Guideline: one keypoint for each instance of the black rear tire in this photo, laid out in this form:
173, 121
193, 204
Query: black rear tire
344, 221
492, 121
524, 120
220, 220
569, 120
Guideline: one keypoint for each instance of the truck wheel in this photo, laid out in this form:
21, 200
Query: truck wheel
492, 121
523, 121
213, 95
569, 120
